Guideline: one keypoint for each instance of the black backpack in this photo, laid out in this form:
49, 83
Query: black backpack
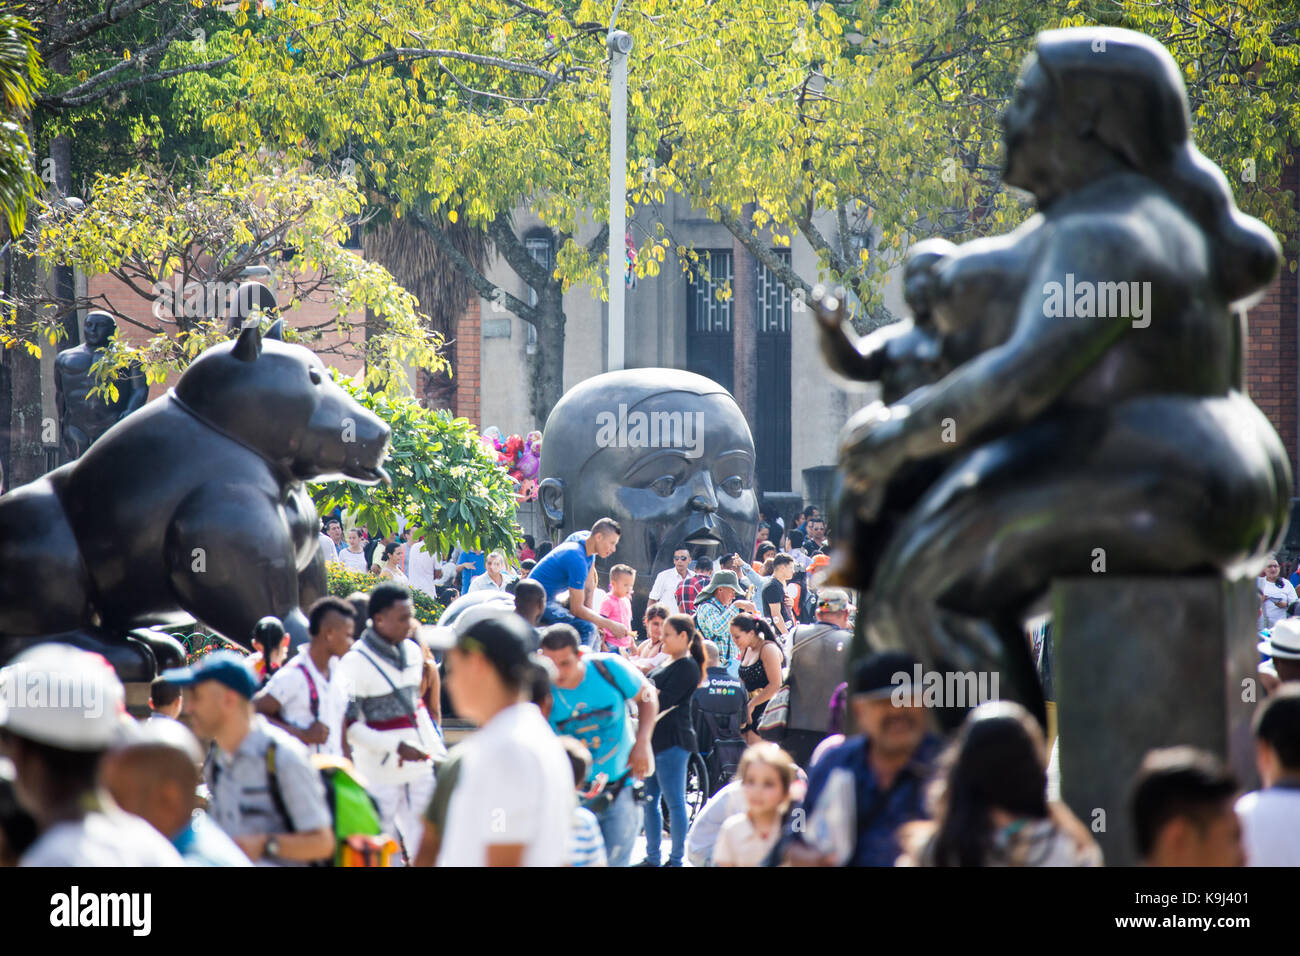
721, 744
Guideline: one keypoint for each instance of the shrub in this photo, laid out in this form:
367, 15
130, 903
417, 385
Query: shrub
342, 581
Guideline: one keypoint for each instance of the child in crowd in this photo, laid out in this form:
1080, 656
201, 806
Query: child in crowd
617, 606
766, 774
586, 844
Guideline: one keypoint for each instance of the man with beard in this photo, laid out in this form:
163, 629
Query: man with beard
891, 765
667, 454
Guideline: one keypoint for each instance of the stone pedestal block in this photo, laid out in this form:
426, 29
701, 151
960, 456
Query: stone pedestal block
1142, 663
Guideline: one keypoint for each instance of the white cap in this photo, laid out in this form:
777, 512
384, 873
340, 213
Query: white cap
62, 696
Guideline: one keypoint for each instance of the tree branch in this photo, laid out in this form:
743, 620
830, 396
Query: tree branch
76, 32
481, 283
516, 253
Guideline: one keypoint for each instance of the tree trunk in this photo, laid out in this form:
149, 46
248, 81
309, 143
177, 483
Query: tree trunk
546, 371
744, 324
61, 153
26, 453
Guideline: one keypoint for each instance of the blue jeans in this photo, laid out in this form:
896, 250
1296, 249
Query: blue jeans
668, 781
558, 614
618, 827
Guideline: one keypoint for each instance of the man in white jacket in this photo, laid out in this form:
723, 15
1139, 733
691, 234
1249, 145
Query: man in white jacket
382, 673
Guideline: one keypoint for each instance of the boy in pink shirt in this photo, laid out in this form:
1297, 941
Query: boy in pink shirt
617, 606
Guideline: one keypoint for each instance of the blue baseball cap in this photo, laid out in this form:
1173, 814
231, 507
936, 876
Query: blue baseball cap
225, 667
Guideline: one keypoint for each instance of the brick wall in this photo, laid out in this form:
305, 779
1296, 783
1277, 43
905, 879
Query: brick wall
466, 362
1273, 345
342, 352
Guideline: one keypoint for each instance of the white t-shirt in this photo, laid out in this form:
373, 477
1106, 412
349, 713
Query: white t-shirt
1281, 588
108, 837
422, 568
289, 686
354, 560
515, 786
1270, 834
664, 590
328, 549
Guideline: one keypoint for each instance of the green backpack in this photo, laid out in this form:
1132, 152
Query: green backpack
358, 833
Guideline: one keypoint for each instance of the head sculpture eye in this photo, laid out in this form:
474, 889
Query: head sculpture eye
314, 375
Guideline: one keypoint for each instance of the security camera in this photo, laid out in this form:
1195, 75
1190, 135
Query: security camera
619, 42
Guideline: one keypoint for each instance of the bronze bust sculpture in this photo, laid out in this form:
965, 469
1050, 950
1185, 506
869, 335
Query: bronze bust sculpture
83, 417
666, 453
1094, 407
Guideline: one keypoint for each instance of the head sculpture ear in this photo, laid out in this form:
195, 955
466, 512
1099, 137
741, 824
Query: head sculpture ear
276, 331
551, 494
249, 344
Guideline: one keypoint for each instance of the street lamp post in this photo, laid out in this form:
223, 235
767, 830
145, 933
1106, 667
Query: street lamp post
619, 45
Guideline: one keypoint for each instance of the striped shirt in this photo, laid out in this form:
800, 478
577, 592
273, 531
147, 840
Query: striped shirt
586, 844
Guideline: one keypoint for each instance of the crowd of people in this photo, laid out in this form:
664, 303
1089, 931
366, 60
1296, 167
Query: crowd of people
591, 734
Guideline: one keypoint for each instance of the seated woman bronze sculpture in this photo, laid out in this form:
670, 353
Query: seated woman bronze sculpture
1095, 405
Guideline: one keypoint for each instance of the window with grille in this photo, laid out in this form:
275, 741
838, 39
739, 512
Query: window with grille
542, 250
773, 298
708, 314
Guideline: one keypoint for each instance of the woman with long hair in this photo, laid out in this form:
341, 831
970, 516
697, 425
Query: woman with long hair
990, 801
391, 567
761, 660
673, 740
650, 652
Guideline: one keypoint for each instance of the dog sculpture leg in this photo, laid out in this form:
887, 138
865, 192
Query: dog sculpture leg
221, 576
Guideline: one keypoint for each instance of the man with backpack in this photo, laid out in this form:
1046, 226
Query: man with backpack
590, 694
266, 794
720, 711
818, 657
305, 698
383, 673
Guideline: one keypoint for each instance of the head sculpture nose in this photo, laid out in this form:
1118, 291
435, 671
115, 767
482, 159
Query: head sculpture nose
702, 494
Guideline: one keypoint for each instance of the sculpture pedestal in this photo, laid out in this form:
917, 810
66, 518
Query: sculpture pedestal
1142, 663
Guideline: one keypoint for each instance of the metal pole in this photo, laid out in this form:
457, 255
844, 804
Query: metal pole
620, 45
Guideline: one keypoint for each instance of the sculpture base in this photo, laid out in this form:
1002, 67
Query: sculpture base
1142, 663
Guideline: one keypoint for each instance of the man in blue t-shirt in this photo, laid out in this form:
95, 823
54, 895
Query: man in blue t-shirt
565, 570
470, 564
589, 695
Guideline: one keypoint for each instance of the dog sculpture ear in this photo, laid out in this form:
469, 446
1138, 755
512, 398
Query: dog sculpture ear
276, 331
249, 344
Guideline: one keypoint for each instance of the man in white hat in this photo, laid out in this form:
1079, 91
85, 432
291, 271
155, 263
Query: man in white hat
61, 708
1283, 649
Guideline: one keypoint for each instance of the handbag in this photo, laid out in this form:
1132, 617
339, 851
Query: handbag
776, 715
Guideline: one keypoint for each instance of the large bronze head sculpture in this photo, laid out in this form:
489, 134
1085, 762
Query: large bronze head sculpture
666, 453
